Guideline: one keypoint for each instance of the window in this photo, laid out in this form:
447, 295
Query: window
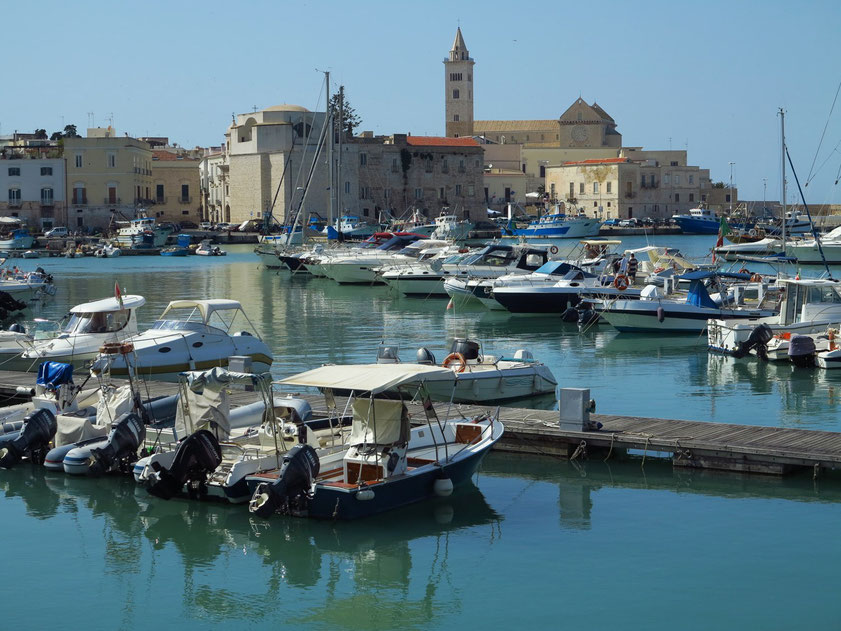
571, 190
673, 164
581, 188
387, 193
580, 116
642, 181
363, 159
652, 181
455, 118
691, 179
595, 204
441, 193
112, 160
470, 190
677, 180
595, 188
394, 165
80, 195
469, 77
691, 197
185, 193
112, 195
418, 193
609, 188
727, 198
78, 160
456, 76
445, 167
461, 168
347, 188
667, 179
542, 170
14, 197
159, 194
458, 190
427, 164
14, 171
46, 170
703, 197
362, 191
677, 197
46, 196
455, 94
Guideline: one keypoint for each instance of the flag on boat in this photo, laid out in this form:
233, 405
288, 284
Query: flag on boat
723, 230
118, 294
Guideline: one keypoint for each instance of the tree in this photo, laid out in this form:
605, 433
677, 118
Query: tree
344, 116
70, 131
41, 134
57, 135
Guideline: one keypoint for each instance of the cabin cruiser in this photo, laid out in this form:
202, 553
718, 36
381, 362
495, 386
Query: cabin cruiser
797, 223
387, 462
808, 306
142, 233
89, 327
768, 246
192, 335
492, 261
312, 261
561, 226
658, 311
808, 252
698, 221
479, 378
359, 267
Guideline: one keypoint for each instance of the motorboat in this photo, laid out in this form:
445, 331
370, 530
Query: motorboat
767, 246
142, 232
816, 252
480, 378
26, 286
181, 247
193, 335
14, 235
107, 251
797, 223
658, 311
388, 463
560, 225
312, 261
492, 261
698, 221
206, 248
448, 227
90, 326
808, 307
360, 268
350, 227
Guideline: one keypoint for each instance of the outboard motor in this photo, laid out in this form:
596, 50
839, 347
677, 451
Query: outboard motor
570, 314
425, 356
588, 317
757, 339
39, 427
121, 449
468, 348
388, 355
801, 351
300, 467
197, 456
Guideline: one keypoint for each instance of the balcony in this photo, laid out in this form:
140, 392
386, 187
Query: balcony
111, 200
80, 201
160, 200
185, 200
14, 203
47, 203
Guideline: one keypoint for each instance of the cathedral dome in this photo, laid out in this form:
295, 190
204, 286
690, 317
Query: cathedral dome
286, 108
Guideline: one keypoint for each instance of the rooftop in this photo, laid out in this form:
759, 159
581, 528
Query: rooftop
598, 161
438, 141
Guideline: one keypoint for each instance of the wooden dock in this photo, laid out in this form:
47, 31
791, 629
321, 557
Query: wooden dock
691, 444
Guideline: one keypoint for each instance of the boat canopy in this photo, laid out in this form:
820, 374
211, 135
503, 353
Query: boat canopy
605, 242
205, 307
373, 378
110, 304
705, 274
557, 268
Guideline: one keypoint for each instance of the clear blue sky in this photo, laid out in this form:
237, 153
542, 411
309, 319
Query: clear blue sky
707, 75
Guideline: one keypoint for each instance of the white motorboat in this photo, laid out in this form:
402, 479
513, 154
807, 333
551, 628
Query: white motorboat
769, 246
481, 378
26, 286
656, 311
311, 261
808, 306
807, 251
388, 463
492, 261
361, 268
193, 335
206, 248
14, 235
90, 326
107, 251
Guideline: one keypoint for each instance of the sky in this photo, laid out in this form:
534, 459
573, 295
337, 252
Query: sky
707, 76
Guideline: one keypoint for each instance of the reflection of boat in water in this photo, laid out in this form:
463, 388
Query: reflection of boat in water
613, 343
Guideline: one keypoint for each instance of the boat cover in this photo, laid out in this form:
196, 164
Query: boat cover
54, 374
204, 401
372, 378
379, 422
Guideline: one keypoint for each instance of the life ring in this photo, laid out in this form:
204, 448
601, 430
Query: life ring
744, 270
657, 270
756, 278
449, 359
621, 282
553, 249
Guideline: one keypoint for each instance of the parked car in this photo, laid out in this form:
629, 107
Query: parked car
613, 221
187, 225
206, 225
629, 223
57, 232
223, 227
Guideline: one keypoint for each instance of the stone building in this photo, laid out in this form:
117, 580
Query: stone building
458, 89
213, 169
108, 177
176, 186
33, 189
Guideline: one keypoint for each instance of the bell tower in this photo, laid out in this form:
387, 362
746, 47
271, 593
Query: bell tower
458, 89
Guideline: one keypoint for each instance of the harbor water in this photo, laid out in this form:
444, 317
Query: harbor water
536, 541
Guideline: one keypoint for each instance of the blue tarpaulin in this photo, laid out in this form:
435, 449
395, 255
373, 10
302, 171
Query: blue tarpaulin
54, 374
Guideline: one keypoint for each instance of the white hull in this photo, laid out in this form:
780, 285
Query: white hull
642, 316
493, 385
808, 253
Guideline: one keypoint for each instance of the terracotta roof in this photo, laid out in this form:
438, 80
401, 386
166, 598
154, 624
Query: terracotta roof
599, 161
169, 156
437, 141
525, 125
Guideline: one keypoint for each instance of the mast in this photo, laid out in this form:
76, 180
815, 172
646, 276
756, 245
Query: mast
329, 114
340, 185
783, 158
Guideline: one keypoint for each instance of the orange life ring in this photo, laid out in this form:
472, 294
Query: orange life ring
744, 270
756, 278
621, 282
449, 359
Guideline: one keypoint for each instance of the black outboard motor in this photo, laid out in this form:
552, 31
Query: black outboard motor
468, 348
570, 314
425, 356
801, 351
588, 317
197, 456
39, 427
299, 469
121, 449
757, 339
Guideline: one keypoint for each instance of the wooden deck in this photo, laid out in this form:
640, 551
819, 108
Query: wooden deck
704, 445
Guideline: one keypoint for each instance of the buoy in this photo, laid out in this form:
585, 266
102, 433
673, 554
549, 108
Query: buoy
449, 305
661, 314
443, 487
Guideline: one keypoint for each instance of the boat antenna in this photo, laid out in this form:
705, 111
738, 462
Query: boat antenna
815, 231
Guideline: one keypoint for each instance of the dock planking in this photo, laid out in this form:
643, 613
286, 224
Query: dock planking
692, 444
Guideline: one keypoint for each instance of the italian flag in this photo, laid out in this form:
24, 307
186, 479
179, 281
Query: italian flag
723, 229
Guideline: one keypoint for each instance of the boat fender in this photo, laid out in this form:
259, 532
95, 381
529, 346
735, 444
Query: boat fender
443, 486
365, 494
553, 249
121, 447
621, 282
661, 314
300, 467
24, 391
570, 314
196, 456
452, 357
756, 278
39, 427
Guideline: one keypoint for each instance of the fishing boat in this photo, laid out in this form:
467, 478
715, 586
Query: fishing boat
142, 232
181, 247
206, 248
698, 221
388, 463
14, 235
448, 227
193, 335
560, 225
480, 378
350, 227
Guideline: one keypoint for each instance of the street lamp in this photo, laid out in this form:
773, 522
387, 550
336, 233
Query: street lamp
731, 187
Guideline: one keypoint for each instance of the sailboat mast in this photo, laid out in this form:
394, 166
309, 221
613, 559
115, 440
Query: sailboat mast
783, 158
330, 186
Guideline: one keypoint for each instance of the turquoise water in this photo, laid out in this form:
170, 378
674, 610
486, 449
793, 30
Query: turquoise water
536, 542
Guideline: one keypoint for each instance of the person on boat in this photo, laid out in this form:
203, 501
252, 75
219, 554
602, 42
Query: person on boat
632, 268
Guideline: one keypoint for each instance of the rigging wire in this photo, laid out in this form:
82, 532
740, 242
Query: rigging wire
811, 175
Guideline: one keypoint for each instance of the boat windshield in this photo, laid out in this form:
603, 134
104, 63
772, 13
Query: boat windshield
190, 319
823, 295
98, 322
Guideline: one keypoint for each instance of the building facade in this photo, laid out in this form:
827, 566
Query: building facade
458, 89
213, 169
108, 178
33, 189
176, 186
